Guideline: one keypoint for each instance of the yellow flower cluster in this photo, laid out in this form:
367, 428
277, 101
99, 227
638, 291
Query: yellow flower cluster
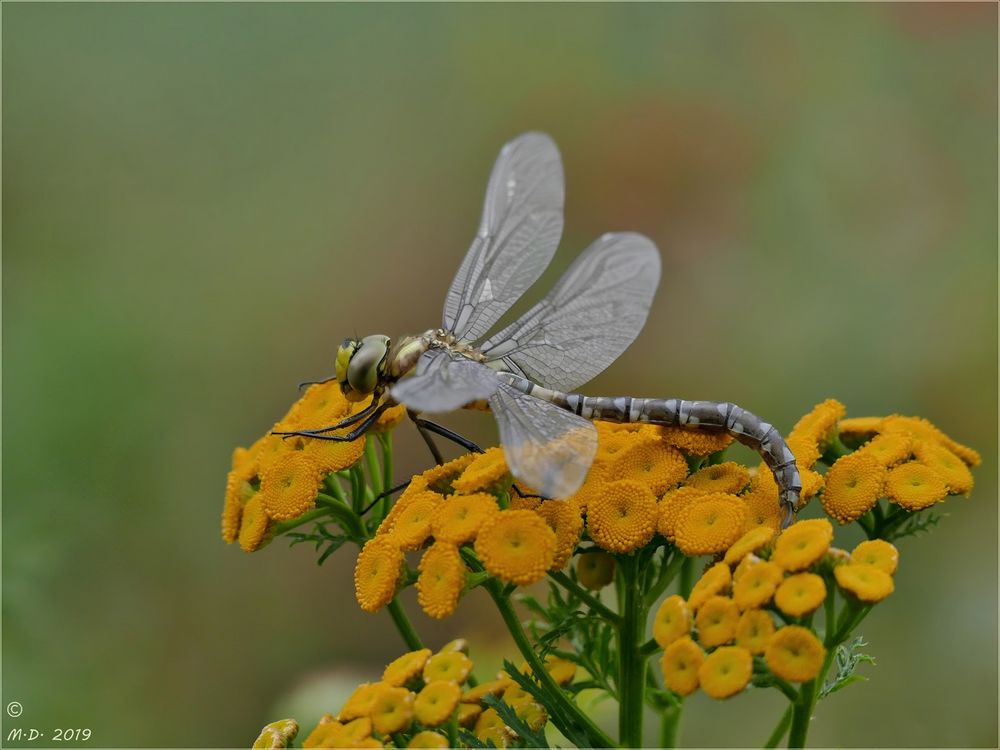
277, 479
905, 459
421, 701
710, 639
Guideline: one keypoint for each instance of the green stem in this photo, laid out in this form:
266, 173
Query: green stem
404, 626
385, 440
631, 662
801, 714
344, 516
374, 470
670, 725
594, 733
589, 599
780, 729
331, 483
668, 571
281, 528
687, 576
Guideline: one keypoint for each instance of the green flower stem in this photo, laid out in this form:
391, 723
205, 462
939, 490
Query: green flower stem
385, 441
670, 725
668, 571
344, 516
312, 515
595, 734
631, 661
331, 483
835, 449
589, 599
404, 626
780, 729
802, 713
649, 648
687, 576
374, 470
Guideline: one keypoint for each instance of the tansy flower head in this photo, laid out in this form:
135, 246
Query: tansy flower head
448, 665
726, 671
623, 517
392, 709
710, 524
859, 426
524, 503
277, 734
949, 466
853, 485
877, 552
441, 581
672, 621
516, 546
457, 644
812, 483
756, 584
670, 507
800, 594
334, 455
407, 667
389, 419
806, 450
434, 704
609, 444
269, 448
412, 525
289, 485
923, 430
459, 518
794, 654
915, 486
376, 573
728, 477
561, 670
480, 691
322, 405
802, 544
595, 569
253, 525
656, 465
361, 701
889, 449
238, 491
763, 507
487, 472
820, 422
416, 491
428, 739
745, 564
354, 732
680, 663
693, 442
441, 478
490, 728
753, 540
754, 630
866, 582
713, 581
564, 518
323, 733
468, 713
716, 621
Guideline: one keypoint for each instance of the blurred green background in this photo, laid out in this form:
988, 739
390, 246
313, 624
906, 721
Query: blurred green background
200, 201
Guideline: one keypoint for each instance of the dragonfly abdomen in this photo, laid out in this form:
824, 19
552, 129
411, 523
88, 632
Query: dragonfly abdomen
744, 426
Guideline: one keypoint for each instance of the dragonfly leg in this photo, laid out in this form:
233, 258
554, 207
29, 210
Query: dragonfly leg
425, 424
384, 494
354, 419
316, 382
354, 434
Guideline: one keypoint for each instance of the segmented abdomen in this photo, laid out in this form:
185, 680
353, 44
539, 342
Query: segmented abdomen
747, 428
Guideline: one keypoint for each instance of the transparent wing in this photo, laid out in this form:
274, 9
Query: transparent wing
588, 319
444, 382
546, 447
519, 231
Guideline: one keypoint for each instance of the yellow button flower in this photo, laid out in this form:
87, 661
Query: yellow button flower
405, 668
716, 621
493, 687
412, 526
680, 663
819, 423
670, 507
922, 429
726, 671
490, 728
623, 517
866, 582
877, 552
713, 581
653, 463
915, 486
693, 442
487, 472
453, 666
754, 630
323, 733
253, 525
564, 518
751, 541
802, 544
468, 713
459, 518
414, 492
516, 546
376, 573
794, 654
672, 621
428, 739
361, 701
441, 580
595, 570
853, 485
762, 503
710, 524
392, 710
889, 449
434, 704
277, 734
289, 485
728, 477
441, 478
756, 584
800, 594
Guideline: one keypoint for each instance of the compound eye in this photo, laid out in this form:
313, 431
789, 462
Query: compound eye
344, 354
363, 370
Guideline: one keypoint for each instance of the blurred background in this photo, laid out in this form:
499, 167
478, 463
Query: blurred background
201, 201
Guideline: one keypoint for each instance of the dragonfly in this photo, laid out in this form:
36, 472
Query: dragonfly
526, 373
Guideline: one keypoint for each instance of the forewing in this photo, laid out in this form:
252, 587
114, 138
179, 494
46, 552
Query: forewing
548, 448
588, 319
445, 382
519, 231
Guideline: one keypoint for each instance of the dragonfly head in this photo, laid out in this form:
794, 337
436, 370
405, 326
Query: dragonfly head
361, 365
